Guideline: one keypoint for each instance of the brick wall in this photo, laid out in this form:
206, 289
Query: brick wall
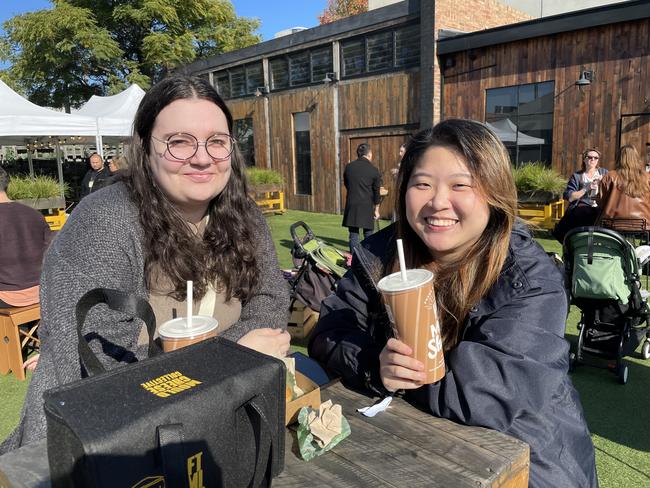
469, 16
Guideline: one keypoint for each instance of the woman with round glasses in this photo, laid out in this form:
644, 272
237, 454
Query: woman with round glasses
181, 213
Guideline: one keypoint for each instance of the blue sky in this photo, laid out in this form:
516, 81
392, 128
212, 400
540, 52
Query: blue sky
275, 15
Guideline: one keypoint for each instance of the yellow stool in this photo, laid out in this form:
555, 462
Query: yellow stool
14, 338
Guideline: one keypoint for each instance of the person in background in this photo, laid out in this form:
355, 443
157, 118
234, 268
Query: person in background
625, 192
181, 213
362, 181
116, 167
24, 238
581, 192
94, 175
395, 171
500, 301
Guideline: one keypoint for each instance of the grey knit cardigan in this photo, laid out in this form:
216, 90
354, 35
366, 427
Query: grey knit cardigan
101, 246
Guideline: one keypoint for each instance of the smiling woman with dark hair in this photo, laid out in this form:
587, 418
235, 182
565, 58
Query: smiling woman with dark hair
500, 301
181, 213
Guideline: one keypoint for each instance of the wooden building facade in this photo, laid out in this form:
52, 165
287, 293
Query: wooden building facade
575, 81
304, 102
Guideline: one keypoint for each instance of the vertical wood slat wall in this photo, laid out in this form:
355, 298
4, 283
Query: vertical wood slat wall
591, 116
382, 108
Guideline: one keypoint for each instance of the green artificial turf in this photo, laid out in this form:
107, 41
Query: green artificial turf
616, 414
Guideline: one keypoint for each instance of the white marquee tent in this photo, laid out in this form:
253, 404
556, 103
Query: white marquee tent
507, 131
113, 114
21, 121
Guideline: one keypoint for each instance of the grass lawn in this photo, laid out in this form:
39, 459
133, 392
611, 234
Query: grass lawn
615, 413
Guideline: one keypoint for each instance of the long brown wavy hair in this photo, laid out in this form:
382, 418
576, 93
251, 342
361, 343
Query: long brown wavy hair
225, 255
633, 179
460, 285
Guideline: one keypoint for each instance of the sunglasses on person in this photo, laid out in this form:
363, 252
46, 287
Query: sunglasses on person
183, 146
592, 157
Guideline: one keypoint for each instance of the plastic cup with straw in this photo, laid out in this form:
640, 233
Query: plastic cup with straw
183, 331
411, 306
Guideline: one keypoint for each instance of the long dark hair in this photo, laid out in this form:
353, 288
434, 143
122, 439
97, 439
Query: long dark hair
225, 255
462, 284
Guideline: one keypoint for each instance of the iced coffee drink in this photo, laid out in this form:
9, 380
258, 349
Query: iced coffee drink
411, 306
176, 333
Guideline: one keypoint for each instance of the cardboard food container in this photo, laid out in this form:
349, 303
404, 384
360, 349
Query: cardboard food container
302, 321
311, 398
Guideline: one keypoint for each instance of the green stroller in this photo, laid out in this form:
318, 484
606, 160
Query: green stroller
603, 274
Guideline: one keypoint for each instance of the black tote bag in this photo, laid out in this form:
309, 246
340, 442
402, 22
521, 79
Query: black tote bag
208, 415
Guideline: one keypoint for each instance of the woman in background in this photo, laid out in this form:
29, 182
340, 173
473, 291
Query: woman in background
581, 193
501, 304
625, 192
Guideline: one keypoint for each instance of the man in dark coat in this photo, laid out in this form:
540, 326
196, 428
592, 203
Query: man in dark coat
95, 174
362, 182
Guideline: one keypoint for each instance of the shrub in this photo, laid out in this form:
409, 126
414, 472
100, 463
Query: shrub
258, 176
25, 187
535, 177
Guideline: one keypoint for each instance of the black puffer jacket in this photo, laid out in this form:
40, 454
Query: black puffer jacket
509, 371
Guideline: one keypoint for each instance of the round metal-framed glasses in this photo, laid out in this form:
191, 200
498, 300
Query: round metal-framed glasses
183, 146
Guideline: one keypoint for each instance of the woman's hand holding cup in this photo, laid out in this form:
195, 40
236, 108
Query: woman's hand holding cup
274, 342
397, 369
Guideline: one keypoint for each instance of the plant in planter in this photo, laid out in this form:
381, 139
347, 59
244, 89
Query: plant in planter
537, 183
40, 192
264, 180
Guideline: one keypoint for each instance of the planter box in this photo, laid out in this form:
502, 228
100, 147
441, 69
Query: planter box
270, 198
544, 215
43, 203
543, 197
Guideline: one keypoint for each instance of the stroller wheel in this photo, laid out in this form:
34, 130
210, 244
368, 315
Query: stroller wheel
622, 374
645, 349
573, 361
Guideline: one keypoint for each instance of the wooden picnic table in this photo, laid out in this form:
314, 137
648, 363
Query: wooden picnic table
402, 446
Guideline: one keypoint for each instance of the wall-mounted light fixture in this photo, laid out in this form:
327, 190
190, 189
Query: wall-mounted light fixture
261, 91
331, 77
586, 77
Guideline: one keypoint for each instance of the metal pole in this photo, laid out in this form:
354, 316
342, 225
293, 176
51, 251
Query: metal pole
59, 166
29, 162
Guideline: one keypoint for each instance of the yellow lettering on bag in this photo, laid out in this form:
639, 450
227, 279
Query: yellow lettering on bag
169, 384
151, 482
195, 471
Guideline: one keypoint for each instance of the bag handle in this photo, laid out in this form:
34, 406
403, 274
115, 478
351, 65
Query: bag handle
116, 300
263, 437
172, 454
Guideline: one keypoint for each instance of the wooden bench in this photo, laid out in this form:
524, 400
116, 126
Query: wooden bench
17, 333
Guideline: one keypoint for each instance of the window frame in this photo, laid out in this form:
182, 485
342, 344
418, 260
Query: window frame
515, 117
287, 59
245, 67
393, 30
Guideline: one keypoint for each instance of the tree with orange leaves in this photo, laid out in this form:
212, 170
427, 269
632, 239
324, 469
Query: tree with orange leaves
339, 9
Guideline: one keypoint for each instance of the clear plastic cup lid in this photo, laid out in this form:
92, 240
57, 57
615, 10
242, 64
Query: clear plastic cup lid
415, 277
177, 328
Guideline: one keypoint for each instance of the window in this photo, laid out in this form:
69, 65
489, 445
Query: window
302, 153
243, 132
279, 73
301, 68
381, 51
239, 81
522, 117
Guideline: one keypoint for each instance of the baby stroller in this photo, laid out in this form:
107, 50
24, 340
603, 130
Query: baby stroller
319, 268
603, 273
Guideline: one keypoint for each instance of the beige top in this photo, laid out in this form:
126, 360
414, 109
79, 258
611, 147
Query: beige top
213, 303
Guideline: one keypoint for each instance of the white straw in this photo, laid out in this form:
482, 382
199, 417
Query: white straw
188, 323
402, 262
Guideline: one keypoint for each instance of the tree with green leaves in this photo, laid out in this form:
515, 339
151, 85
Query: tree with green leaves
339, 9
61, 56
